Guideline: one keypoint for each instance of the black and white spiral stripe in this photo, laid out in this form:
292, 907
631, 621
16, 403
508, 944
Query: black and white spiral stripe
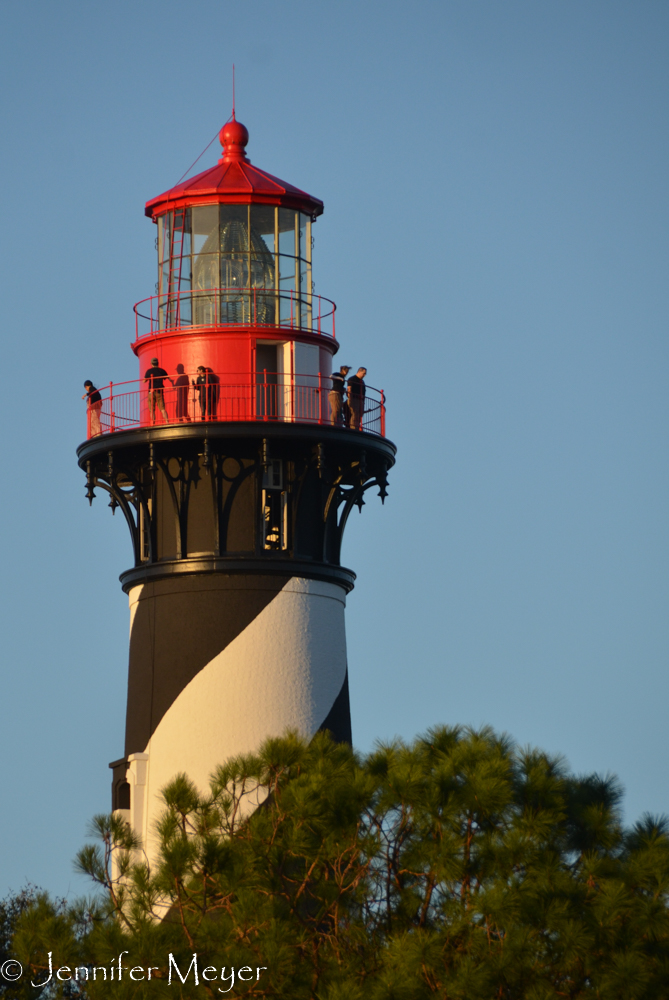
217, 664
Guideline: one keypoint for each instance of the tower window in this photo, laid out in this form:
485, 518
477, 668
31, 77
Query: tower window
274, 507
144, 520
123, 795
273, 476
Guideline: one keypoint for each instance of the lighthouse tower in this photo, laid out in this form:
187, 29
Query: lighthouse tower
235, 483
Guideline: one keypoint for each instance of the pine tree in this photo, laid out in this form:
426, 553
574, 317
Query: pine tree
459, 866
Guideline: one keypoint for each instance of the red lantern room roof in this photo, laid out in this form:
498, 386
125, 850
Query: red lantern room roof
234, 180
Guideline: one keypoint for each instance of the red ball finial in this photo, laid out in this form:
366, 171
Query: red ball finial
234, 137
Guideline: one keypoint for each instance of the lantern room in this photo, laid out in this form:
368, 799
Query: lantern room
235, 288
235, 324
228, 264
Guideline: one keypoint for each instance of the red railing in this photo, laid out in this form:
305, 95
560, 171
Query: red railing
262, 396
195, 308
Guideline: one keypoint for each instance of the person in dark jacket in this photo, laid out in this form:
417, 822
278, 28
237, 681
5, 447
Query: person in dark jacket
155, 378
206, 385
336, 395
356, 398
94, 407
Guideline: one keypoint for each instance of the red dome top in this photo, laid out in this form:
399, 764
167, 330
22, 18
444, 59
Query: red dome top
234, 136
234, 181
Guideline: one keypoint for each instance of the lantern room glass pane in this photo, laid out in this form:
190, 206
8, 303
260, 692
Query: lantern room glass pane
164, 228
287, 231
205, 306
263, 220
186, 260
262, 226
174, 243
262, 266
205, 271
234, 274
304, 295
287, 225
205, 229
205, 276
302, 233
234, 228
287, 255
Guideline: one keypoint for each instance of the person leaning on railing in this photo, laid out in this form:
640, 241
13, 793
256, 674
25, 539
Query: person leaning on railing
356, 398
155, 377
336, 394
94, 406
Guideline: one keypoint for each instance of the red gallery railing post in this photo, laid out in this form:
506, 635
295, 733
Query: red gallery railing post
383, 414
111, 406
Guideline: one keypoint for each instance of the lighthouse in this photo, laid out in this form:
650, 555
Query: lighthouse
236, 469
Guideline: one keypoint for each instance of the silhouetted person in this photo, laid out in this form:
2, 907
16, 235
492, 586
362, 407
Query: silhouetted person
356, 398
336, 395
155, 377
207, 386
94, 406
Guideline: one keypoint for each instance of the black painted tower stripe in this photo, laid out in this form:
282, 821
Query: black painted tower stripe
338, 721
179, 626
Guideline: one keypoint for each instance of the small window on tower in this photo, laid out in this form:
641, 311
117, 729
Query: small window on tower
144, 520
274, 507
273, 477
123, 796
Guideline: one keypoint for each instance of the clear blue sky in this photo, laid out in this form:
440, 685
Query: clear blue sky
495, 236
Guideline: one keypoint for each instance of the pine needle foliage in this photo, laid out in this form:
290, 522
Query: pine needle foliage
459, 866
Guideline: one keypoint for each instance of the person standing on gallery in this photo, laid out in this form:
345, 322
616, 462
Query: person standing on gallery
182, 383
155, 378
336, 395
207, 386
356, 398
94, 407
